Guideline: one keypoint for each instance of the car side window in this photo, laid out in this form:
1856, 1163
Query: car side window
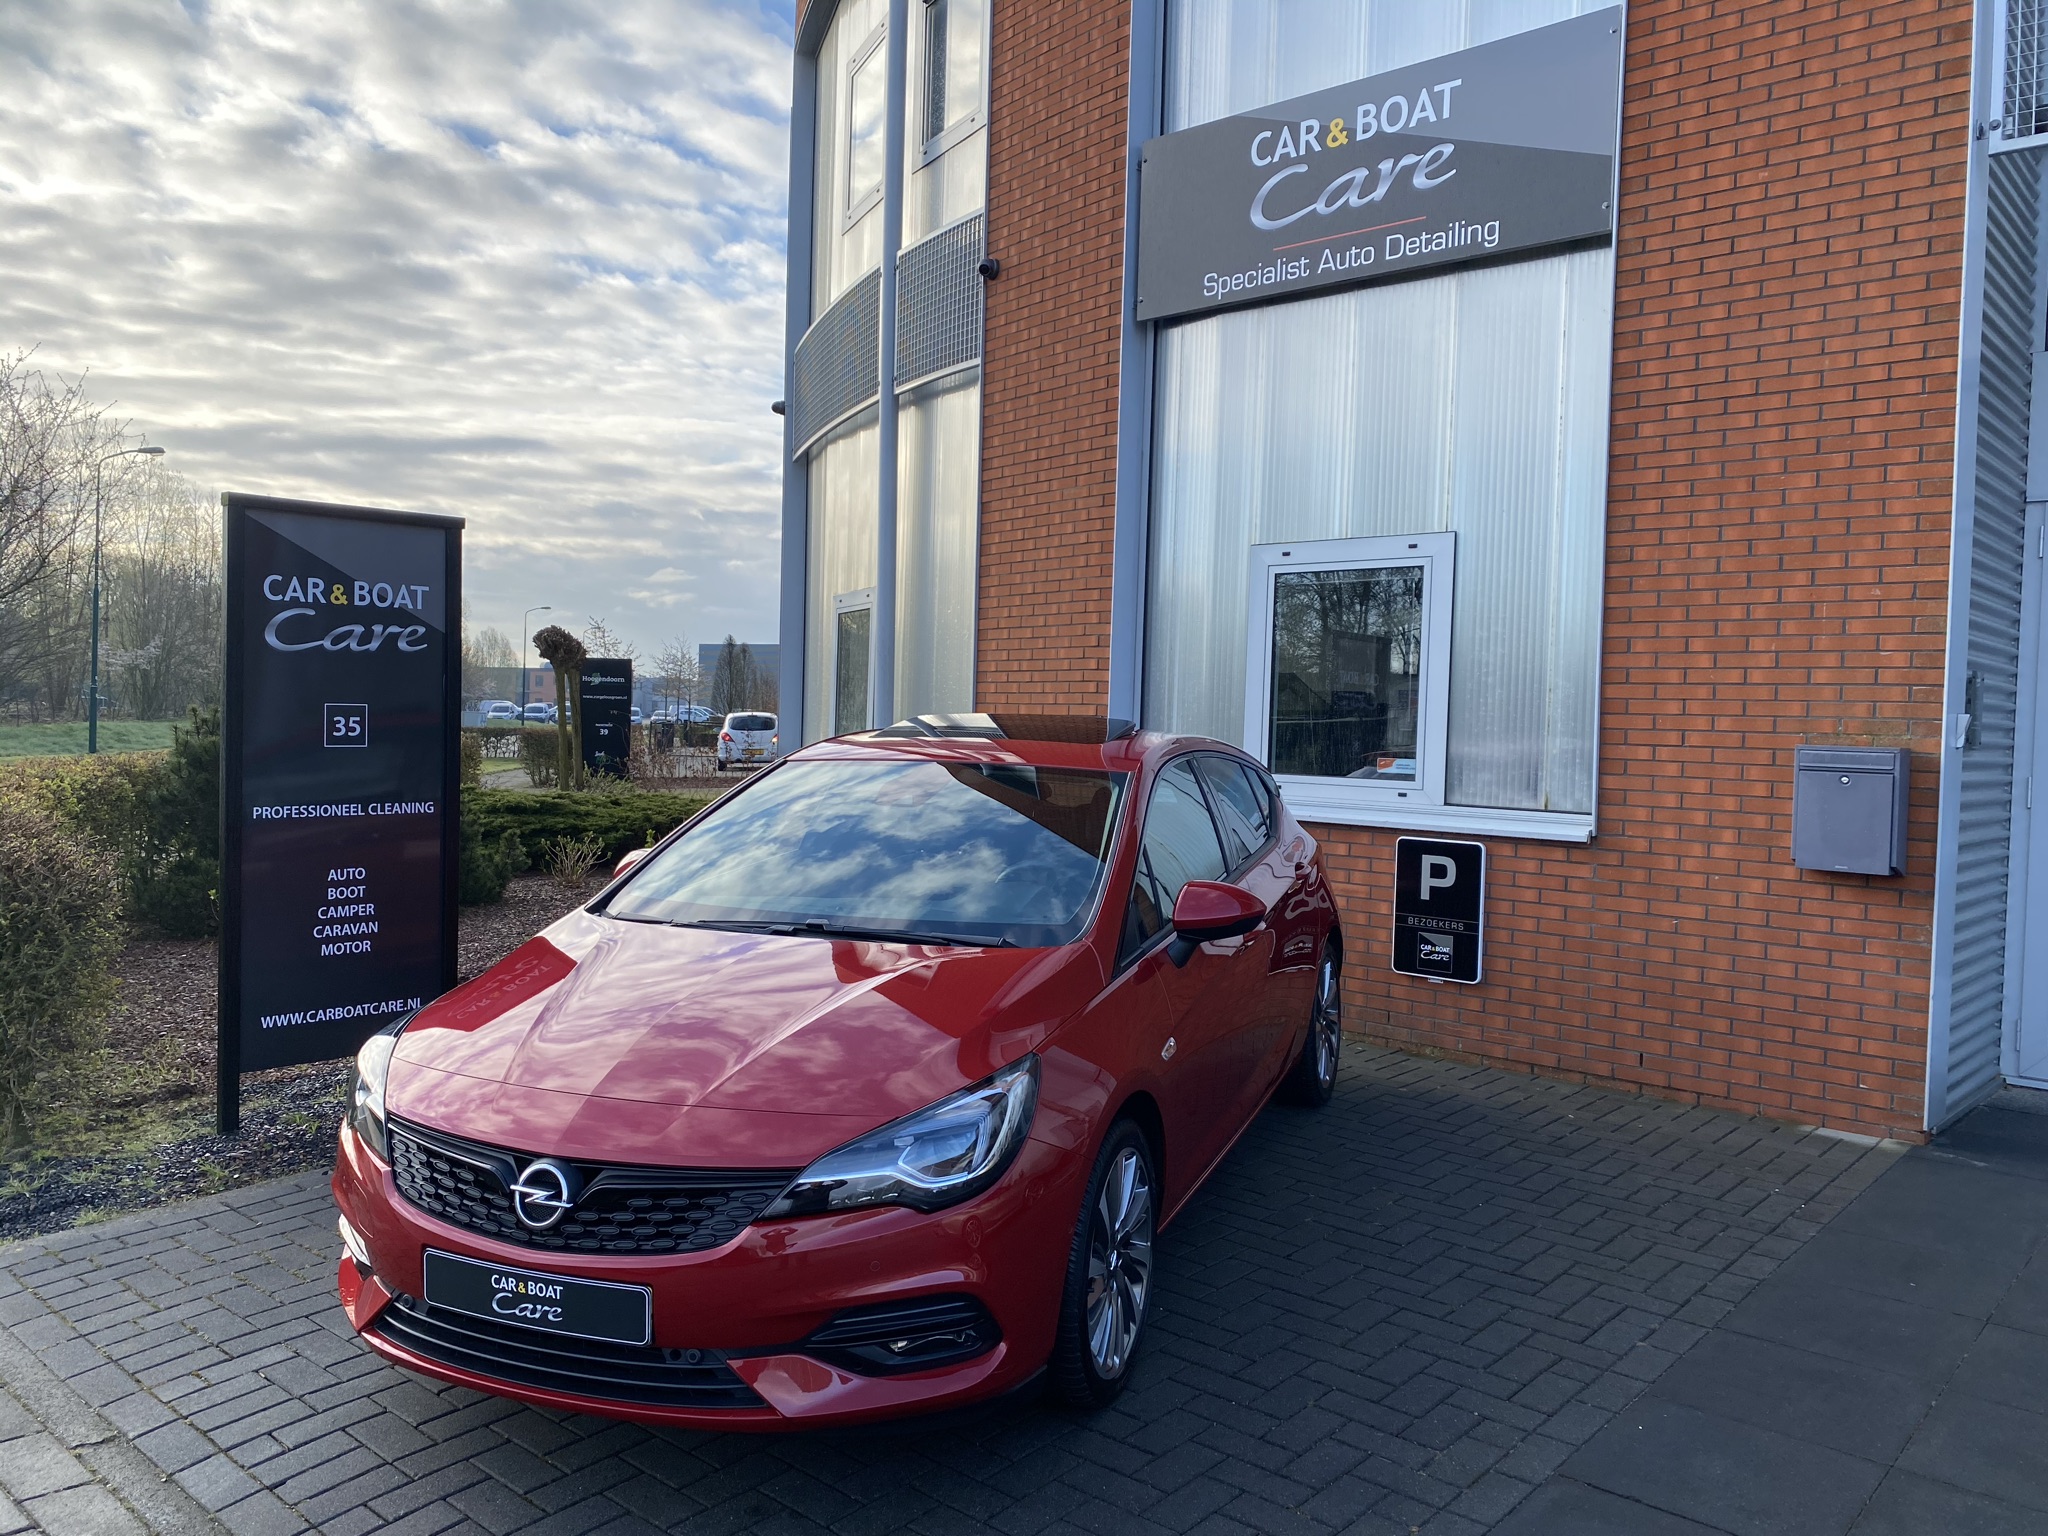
1241, 808
1179, 845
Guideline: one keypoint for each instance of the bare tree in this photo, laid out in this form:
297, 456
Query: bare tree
484, 651
600, 639
566, 654
165, 597
51, 438
676, 674
733, 682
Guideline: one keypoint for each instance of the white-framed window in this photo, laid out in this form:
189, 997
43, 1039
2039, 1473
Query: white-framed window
853, 661
867, 106
1348, 671
953, 76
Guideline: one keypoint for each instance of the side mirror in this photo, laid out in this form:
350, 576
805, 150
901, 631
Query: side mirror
632, 856
1209, 909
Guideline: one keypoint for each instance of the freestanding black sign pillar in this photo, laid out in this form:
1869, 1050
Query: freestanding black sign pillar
606, 729
1439, 908
340, 777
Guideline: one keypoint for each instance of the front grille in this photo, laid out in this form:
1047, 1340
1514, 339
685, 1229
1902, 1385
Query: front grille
620, 1373
893, 1337
621, 1209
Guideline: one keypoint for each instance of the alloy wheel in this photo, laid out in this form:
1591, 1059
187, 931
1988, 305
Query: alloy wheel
1327, 1023
1119, 1263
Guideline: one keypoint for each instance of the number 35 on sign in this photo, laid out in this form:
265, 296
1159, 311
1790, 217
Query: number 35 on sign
345, 725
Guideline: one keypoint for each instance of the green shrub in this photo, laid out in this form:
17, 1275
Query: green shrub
538, 753
472, 760
60, 929
156, 813
487, 865
615, 822
99, 797
174, 874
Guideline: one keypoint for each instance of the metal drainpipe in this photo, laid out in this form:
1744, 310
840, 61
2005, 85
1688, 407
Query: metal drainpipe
796, 476
882, 703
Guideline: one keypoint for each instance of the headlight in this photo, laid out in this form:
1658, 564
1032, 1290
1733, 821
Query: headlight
366, 1093
937, 1157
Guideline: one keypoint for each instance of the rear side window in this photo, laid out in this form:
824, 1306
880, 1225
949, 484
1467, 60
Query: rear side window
1241, 806
1179, 845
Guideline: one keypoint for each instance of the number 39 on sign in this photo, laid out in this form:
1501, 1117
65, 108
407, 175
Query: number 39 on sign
344, 725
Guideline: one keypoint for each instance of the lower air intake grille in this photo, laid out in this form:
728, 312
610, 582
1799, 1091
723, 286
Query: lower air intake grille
619, 1209
900, 1336
619, 1373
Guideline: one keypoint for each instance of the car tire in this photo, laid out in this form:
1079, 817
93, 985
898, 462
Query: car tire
1313, 1078
1103, 1307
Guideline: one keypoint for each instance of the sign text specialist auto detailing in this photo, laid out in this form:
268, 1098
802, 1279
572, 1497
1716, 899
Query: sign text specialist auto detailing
1503, 148
340, 773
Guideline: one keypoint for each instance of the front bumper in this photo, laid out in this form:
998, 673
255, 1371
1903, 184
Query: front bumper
744, 1303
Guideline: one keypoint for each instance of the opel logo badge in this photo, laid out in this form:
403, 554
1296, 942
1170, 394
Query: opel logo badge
545, 1193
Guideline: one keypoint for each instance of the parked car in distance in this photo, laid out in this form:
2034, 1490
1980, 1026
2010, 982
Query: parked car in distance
638, 718
869, 1091
681, 714
748, 736
540, 714
497, 709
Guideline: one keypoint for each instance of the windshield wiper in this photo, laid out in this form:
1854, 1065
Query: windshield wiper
819, 928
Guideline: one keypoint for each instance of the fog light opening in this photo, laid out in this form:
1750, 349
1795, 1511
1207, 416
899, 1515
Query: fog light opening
352, 1244
897, 1337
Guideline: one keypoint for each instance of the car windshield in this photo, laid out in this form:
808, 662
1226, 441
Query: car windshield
751, 723
956, 852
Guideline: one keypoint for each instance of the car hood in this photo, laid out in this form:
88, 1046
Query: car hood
640, 1042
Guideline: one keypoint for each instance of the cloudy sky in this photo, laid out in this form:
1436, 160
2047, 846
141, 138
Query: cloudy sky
520, 261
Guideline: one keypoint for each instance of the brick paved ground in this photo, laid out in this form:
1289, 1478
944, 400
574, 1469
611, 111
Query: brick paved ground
1402, 1312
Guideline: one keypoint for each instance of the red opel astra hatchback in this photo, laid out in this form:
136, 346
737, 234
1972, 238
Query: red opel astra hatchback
867, 1091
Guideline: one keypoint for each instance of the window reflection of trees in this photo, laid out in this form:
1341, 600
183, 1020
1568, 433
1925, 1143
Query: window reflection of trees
1347, 662
1009, 850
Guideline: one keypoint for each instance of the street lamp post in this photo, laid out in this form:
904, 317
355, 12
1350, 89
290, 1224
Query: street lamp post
525, 635
92, 698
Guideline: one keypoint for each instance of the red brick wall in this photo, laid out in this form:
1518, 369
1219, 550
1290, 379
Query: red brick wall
1788, 272
1785, 353
1049, 375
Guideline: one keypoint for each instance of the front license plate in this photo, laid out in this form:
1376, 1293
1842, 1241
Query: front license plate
582, 1309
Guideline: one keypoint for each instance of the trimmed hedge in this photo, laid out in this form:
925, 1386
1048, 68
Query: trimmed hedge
156, 813
60, 929
616, 821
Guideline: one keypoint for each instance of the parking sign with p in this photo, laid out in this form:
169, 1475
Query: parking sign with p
1439, 908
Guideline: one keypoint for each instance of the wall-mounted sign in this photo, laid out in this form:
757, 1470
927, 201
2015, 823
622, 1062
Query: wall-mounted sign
1439, 908
1506, 147
339, 778
606, 729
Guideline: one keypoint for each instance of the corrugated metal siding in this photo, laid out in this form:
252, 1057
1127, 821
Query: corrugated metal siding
1984, 826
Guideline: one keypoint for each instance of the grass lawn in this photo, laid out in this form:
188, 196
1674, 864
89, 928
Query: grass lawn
68, 740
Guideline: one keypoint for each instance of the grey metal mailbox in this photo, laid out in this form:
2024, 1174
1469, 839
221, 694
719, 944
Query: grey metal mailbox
1849, 809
